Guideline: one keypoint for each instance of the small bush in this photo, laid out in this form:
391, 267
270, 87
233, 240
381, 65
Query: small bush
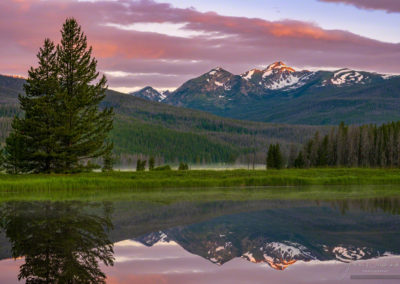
183, 167
140, 165
162, 168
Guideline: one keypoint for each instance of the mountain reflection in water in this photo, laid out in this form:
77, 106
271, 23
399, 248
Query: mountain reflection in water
207, 242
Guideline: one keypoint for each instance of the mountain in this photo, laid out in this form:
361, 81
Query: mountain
143, 128
281, 94
151, 94
287, 232
277, 76
212, 91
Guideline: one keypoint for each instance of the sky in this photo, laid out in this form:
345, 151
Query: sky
164, 43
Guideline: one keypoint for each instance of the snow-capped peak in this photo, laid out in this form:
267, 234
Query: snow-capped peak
278, 76
150, 94
279, 66
215, 70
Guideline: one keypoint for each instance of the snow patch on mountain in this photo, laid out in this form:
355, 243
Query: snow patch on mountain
219, 84
388, 76
348, 254
219, 248
215, 71
249, 74
249, 256
282, 83
345, 77
267, 73
288, 81
288, 249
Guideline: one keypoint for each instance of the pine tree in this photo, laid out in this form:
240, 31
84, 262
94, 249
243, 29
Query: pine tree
42, 109
151, 163
108, 162
84, 128
278, 157
274, 157
271, 157
322, 153
299, 162
62, 128
140, 165
35, 131
17, 151
292, 156
143, 165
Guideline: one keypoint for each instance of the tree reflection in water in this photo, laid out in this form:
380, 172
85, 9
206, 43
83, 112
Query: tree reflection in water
62, 242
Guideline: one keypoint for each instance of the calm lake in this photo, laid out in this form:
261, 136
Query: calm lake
264, 241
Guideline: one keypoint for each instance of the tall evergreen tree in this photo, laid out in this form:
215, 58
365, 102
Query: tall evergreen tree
322, 154
63, 127
299, 162
151, 163
108, 162
271, 157
17, 151
278, 157
84, 128
274, 157
30, 147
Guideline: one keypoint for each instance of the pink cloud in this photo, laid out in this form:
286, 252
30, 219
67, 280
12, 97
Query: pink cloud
235, 43
390, 6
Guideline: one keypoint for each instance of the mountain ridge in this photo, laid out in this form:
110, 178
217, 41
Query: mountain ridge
280, 94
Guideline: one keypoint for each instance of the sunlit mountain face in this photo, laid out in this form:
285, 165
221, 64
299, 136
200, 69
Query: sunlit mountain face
126, 241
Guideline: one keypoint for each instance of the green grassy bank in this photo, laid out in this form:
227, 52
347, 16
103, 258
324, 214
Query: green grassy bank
197, 179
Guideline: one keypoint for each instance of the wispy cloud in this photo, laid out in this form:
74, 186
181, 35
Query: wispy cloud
138, 38
390, 6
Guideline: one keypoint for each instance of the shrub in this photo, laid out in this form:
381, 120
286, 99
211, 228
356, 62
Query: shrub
140, 165
183, 167
162, 168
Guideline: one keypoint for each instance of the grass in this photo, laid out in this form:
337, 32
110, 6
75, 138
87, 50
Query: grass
202, 178
171, 186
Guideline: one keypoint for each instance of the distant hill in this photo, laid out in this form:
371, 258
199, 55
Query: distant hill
145, 128
281, 94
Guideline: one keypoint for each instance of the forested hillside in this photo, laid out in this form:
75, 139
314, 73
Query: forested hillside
143, 129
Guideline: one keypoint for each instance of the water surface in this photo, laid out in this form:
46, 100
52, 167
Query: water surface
274, 241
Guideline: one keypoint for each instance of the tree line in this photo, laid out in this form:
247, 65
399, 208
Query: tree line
352, 146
